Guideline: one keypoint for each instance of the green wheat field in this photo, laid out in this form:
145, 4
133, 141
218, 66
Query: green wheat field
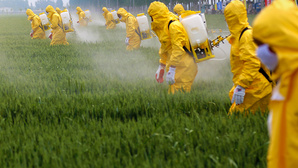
94, 104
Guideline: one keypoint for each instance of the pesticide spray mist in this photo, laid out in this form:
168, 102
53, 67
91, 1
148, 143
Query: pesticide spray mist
135, 65
218, 67
90, 33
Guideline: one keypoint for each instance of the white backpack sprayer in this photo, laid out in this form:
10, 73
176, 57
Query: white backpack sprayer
67, 22
115, 16
195, 26
88, 15
45, 24
145, 32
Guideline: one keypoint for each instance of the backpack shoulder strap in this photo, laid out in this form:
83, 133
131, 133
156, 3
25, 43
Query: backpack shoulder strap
171, 21
243, 32
185, 49
261, 70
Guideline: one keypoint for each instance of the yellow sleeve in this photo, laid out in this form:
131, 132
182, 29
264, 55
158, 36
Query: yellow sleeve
178, 40
105, 16
54, 21
251, 64
109, 18
130, 29
163, 55
35, 24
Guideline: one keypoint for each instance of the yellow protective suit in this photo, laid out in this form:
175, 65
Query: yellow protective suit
171, 52
59, 36
38, 32
82, 18
132, 29
279, 31
245, 65
110, 21
178, 9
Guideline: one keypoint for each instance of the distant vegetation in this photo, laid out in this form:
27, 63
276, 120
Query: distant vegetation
15, 5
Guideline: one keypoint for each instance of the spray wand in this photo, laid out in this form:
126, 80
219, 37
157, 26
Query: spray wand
215, 42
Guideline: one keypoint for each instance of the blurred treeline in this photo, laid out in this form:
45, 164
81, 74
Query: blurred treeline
129, 3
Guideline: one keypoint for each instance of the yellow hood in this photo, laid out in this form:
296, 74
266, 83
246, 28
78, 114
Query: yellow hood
278, 29
50, 11
276, 26
124, 14
236, 17
105, 11
160, 15
79, 10
178, 9
30, 14
58, 10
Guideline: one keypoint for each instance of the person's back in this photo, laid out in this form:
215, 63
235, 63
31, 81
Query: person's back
275, 31
37, 31
252, 84
132, 22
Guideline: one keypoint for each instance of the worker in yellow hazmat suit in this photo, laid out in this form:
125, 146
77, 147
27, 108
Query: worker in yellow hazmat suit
179, 9
82, 18
133, 39
59, 36
252, 81
110, 22
180, 66
277, 36
37, 32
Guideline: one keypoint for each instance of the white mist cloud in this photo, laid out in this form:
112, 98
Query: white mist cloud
33, 2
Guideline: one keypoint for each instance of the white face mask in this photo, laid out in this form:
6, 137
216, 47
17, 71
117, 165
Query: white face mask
267, 57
